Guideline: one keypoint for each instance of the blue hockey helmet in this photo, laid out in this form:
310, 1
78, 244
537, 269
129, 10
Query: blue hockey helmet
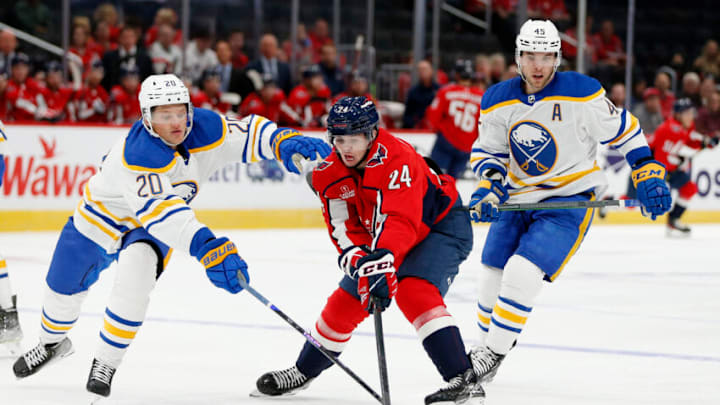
682, 104
352, 115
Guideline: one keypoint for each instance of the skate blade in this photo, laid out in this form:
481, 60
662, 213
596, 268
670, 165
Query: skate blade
96, 399
257, 394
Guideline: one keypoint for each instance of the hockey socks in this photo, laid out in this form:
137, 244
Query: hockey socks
447, 351
5, 292
311, 362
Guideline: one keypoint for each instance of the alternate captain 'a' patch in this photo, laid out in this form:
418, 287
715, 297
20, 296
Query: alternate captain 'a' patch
533, 147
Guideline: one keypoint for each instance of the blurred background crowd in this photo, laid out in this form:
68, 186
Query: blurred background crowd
234, 66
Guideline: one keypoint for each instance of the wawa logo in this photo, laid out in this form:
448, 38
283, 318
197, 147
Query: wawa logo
35, 176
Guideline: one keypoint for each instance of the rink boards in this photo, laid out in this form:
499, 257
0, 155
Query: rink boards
47, 167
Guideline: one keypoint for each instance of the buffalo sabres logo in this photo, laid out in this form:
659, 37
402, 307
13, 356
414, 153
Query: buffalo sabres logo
533, 147
186, 190
379, 156
323, 165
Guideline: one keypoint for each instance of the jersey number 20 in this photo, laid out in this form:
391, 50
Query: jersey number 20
149, 181
463, 114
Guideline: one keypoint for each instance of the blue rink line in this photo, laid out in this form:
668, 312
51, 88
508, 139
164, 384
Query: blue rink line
591, 350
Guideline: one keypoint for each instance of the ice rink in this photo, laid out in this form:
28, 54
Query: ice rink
633, 319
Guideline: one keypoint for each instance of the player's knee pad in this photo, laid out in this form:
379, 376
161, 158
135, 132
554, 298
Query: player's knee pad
522, 280
341, 315
688, 190
136, 272
423, 306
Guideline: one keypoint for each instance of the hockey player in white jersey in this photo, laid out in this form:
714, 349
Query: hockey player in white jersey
10, 331
538, 138
135, 210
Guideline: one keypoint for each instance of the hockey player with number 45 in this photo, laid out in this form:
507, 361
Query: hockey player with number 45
538, 138
401, 233
136, 210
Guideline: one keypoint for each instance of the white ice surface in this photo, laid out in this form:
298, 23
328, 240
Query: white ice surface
633, 319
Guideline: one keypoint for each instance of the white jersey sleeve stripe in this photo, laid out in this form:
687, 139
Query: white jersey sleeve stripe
112, 233
338, 213
164, 217
172, 202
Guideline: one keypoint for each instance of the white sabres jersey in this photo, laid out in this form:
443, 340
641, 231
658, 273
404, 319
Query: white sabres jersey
142, 182
545, 144
3, 139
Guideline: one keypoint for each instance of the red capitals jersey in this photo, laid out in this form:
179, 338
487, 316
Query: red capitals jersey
455, 112
58, 103
306, 108
92, 104
672, 143
391, 204
202, 100
125, 106
253, 104
22, 99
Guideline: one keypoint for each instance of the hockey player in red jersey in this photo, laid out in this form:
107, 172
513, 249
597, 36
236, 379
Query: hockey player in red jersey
454, 113
124, 96
401, 233
92, 101
307, 103
674, 143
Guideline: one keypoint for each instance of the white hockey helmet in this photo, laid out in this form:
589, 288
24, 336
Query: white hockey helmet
538, 36
159, 90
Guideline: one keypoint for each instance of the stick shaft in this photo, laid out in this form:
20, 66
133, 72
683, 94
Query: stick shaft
310, 339
382, 362
565, 205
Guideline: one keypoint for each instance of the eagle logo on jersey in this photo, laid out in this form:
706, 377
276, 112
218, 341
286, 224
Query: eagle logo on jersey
378, 158
323, 165
533, 147
187, 190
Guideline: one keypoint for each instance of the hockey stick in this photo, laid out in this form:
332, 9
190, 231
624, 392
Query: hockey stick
382, 363
567, 205
309, 338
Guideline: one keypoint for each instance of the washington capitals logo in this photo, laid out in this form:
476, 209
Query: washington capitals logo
186, 190
379, 156
533, 147
323, 165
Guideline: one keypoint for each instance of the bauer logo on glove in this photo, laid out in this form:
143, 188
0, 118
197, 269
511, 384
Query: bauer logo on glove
217, 255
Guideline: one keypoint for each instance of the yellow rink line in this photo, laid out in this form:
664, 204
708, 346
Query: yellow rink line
11, 221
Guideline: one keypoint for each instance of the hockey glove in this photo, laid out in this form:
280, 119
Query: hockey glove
222, 264
286, 142
376, 278
349, 257
2, 168
485, 199
652, 191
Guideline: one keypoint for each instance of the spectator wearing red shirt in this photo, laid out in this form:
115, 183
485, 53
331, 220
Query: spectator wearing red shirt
125, 107
83, 47
667, 97
609, 47
548, 10
102, 37
210, 96
57, 96
569, 51
308, 103
319, 36
236, 39
454, 113
106, 13
92, 100
708, 121
22, 93
3, 92
265, 102
164, 16
674, 144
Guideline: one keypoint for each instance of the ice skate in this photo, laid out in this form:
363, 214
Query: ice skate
462, 389
485, 362
282, 382
100, 378
40, 356
675, 228
10, 331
